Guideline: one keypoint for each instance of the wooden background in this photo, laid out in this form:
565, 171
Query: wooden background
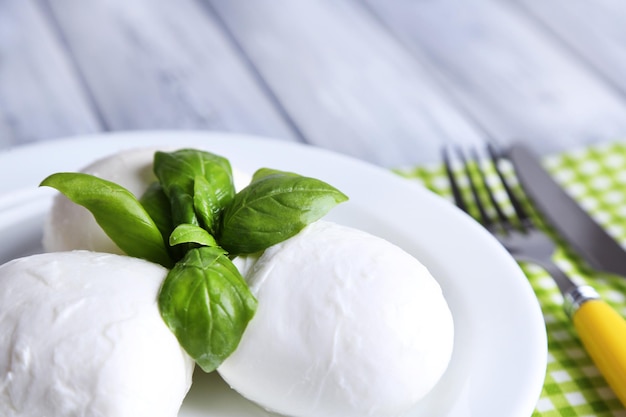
387, 81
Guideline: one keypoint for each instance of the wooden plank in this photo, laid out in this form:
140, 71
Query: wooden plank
594, 30
158, 64
346, 83
40, 94
515, 80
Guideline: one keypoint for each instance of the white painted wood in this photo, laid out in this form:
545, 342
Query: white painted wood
509, 75
159, 64
550, 73
594, 30
40, 96
344, 80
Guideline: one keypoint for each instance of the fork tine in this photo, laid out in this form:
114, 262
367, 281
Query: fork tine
485, 219
521, 213
504, 220
456, 191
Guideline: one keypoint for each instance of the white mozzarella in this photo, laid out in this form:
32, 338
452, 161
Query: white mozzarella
348, 325
82, 336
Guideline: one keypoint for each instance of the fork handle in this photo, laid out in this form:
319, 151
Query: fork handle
603, 333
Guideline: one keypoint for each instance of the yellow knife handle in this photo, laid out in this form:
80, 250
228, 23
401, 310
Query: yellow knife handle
603, 333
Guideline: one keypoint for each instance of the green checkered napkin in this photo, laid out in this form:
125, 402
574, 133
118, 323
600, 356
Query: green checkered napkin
596, 178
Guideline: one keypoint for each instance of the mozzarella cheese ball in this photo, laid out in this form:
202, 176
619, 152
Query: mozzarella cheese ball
348, 325
69, 226
82, 336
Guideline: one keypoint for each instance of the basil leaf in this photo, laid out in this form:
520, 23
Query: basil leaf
274, 207
117, 211
156, 204
207, 203
182, 206
197, 182
265, 172
206, 303
189, 233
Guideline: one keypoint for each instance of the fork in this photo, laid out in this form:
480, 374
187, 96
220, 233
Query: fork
601, 329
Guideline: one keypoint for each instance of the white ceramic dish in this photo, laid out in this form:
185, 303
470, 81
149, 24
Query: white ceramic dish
499, 359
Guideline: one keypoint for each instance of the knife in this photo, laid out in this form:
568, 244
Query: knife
567, 217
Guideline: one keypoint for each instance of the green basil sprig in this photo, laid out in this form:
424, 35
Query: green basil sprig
117, 211
207, 304
189, 233
192, 220
197, 183
274, 207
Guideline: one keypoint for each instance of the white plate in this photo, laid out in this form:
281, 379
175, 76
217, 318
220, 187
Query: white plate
500, 353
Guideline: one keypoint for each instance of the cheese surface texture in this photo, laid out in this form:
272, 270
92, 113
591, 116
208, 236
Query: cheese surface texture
347, 325
82, 337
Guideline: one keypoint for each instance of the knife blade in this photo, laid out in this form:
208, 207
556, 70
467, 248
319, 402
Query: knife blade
567, 217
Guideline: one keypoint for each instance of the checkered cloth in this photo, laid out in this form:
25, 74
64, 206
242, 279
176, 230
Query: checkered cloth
596, 178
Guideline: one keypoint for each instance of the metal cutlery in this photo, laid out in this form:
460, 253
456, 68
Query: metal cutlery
600, 328
568, 218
